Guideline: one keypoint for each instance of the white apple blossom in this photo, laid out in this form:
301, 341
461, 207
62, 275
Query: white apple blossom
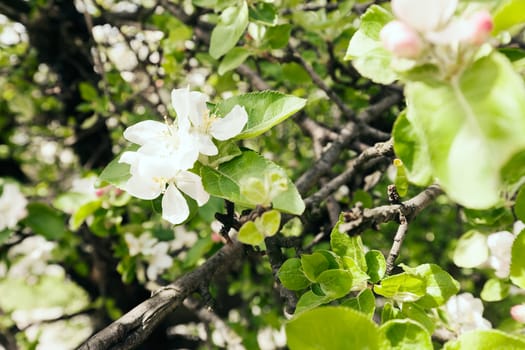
141, 245
500, 244
12, 206
159, 260
433, 22
465, 313
194, 116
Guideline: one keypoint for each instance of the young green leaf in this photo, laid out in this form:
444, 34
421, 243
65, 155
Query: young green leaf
292, 276
45, 221
310, 300
250, 234
376, 265
402, 287
495, 290
232, 23
509, 14
313, 265
476, 125
366, 50
364, 302
233, 59
269, 222
331, 328
486, 340
265, 109
404, 334
225, 182
335, 283
517, 264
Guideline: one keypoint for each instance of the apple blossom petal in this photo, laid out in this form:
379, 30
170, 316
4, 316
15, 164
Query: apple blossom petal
191, 184
174, 206
206, 145
231, 125
518, 312
143, 188
189, 105
401, 40
145, 131
424, 15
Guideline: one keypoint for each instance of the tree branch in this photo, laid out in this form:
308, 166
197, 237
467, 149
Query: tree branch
135, 326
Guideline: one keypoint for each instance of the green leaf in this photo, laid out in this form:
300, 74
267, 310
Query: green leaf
344, 245
225, 182
249, 234
495, 290
486, 340
269, 222
472, 126
517, 264
117, 173
519, 206
87, 91
389, 312
410, 148
233, 59
313, 265
402, 287
335, 283
418, 314
376, 265
472, 250
263, 12
366, 50
404, 335
310, 300
45, 221
292, 276
509, 14
365, 302
440, 285
197, 251
278, 36
232, 23
359, 277
265, 109
332, 328
83, 213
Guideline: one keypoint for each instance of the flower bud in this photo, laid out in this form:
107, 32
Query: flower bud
518, 313
480, 25
401, 40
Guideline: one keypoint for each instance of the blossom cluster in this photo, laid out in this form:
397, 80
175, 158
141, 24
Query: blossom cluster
12, 206
464, 313
154, 252
168, 151
431, 23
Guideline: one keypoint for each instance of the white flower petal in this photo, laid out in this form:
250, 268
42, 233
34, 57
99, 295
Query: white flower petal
145, 131
206, 145
424, 15
231, 125
191, 184
174, 206
189, 105
143, 188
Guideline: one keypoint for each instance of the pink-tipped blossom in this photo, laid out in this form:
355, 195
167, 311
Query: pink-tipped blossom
401, 40
518, 312
480, 25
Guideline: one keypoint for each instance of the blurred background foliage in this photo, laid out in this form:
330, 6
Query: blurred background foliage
75, 74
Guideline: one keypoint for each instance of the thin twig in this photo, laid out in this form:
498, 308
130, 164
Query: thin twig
396, 245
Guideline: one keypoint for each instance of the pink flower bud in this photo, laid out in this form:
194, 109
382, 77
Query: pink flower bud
518, 312
401, 40
480, 25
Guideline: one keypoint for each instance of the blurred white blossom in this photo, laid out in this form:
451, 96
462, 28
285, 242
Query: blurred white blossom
465, 313
31, 257
12, 206
518, 313
141, 245
269, 338
155, 253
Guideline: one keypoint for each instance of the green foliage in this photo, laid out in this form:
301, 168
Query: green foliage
402, 287
363, 302
254, 232
495, 290
332, 328
291, 275
365, 50
265, 110
404, 335
508, 15
471, 249
232, 23
517, 264
486, 340
45, 221
225, 182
